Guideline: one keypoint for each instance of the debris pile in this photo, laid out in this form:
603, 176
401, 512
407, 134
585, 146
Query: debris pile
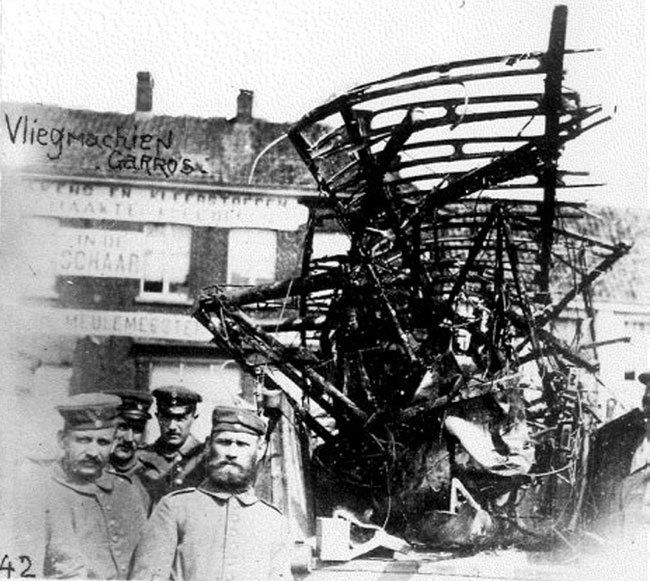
442, 401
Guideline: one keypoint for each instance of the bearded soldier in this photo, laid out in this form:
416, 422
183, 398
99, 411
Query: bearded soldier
219, 530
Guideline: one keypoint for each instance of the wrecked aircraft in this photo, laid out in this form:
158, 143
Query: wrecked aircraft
440, 400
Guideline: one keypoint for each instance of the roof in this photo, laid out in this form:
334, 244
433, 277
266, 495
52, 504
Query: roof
628, 279
58, 141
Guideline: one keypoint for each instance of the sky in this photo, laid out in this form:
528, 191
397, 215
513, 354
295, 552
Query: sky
295, 54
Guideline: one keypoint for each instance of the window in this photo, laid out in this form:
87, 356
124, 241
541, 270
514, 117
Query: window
329, 244
166, 262
251, 256
219, 383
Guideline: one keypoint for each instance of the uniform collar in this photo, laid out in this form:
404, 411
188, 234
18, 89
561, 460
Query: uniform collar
104, 482
125, 468
247, 497
190, 444
127, 475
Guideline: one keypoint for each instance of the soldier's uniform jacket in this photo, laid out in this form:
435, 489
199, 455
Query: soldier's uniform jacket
163, 473
90, 529
131, 473
197, 534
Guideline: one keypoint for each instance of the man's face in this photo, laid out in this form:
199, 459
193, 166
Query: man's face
128, 438
86, 452
233, 459
175, 424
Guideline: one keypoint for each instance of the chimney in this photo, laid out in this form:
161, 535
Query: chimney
245, 106
144, 94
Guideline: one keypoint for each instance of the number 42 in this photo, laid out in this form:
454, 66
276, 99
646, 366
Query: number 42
5, 565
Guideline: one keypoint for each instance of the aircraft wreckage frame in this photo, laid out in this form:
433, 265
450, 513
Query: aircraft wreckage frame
445, 180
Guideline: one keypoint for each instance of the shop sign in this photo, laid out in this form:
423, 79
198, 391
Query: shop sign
100, 253
83, 322
168, 206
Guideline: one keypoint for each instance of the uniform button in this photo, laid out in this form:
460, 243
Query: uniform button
111, 523
115, 538
108, 507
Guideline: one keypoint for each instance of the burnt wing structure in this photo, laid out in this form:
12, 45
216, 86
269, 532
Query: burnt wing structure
411, 356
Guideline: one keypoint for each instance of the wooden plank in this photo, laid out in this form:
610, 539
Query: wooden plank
553, 109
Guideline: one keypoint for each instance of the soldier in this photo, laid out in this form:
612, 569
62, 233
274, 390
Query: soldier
220, 529
635, 487
90, 519
129, 434
175, 459
129, 437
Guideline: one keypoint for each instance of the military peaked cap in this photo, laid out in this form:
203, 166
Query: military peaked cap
175, 395
89, 411
232, 419
135, 404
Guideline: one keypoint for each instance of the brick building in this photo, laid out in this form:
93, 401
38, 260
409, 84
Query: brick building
110, 225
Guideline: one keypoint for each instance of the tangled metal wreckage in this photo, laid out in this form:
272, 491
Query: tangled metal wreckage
424, 362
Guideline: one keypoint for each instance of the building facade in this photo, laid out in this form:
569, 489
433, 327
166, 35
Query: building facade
110, 225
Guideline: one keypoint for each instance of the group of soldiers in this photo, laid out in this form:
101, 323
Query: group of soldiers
114, 508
